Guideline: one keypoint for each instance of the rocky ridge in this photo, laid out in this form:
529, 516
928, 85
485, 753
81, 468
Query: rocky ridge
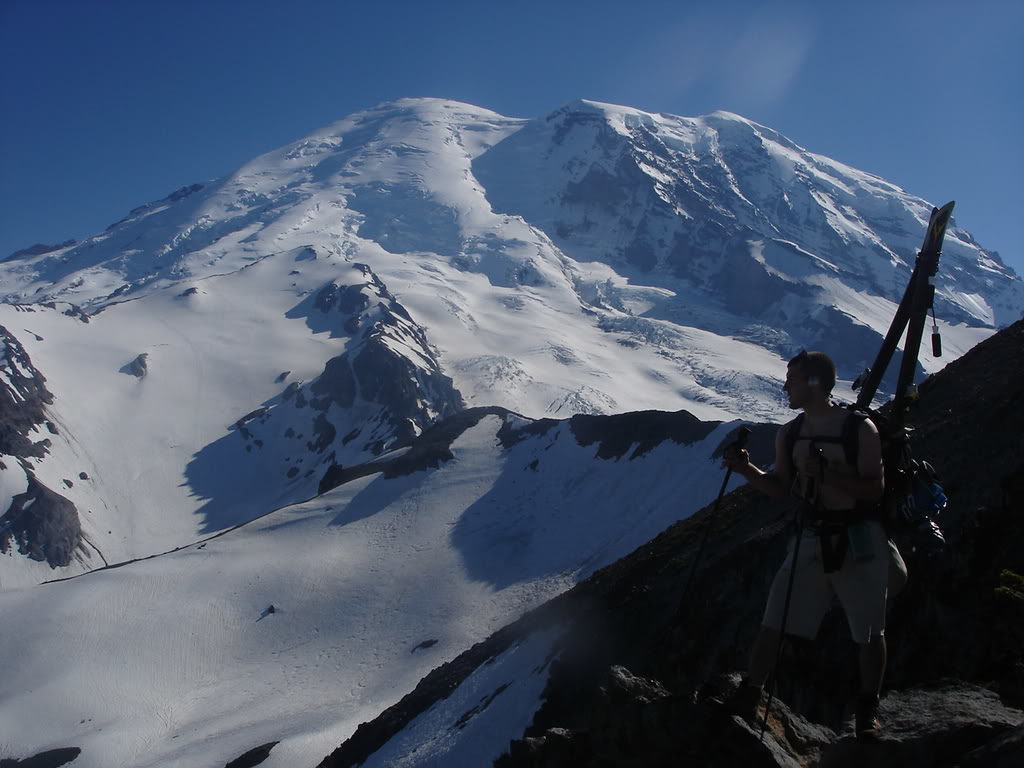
382, 391
43, 524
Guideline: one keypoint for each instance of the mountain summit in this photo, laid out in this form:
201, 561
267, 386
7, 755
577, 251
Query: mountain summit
715, 207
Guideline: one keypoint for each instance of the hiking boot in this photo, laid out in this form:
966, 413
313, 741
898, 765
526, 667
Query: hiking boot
745, 701
869, 727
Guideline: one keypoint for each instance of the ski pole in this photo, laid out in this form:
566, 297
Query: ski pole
739, 443
814, 491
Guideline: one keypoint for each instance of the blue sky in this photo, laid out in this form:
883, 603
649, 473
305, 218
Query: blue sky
109, 105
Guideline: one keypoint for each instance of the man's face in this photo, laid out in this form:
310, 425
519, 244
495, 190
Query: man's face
796, 387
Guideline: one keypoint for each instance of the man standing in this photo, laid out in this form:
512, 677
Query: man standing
843, 549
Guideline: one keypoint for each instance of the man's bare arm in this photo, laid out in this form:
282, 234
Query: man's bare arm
775, 483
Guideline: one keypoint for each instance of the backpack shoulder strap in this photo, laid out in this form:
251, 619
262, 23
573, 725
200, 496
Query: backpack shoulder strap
792, 433
851, 435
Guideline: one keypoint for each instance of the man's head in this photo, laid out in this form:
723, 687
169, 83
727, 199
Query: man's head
810, 376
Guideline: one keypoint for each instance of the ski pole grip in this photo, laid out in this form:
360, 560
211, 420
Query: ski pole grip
741, 438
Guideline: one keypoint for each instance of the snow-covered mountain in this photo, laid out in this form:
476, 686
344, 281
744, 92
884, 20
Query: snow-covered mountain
240, 347
221, 348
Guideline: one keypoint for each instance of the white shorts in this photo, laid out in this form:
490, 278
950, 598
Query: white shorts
861, 588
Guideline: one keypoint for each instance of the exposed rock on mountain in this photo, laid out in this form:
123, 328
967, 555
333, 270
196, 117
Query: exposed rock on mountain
158, 205
385, 388
389, 367
138, 367
39, 249
51, 758
642, 431
253, 757
43, 524
23, 400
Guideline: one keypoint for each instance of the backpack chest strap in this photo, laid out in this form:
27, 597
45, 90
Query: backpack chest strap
848, 437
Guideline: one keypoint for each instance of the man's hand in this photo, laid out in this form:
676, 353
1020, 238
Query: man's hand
736, 460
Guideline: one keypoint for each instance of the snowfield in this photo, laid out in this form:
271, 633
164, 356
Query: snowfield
300, 625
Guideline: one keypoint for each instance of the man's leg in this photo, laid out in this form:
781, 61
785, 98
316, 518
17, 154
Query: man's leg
808, 595
862, 589
872, 669
762, 656
747, 698
872, 665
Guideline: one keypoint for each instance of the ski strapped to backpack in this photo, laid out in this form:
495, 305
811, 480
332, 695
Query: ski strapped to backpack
913, 498
910, 316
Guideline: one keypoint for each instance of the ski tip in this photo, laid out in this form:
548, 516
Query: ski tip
944, 212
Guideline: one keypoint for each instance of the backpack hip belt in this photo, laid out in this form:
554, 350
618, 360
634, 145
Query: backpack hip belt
834, 518
831, 527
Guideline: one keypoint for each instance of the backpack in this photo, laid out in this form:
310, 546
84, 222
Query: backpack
913, 498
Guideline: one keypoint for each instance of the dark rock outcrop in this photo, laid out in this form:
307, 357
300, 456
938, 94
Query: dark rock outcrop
930, 726
389, 363
23, 400
429, 450
638, 722
51, 758
42, 524
617, 433
179, 194
1006, 751
253, 757
38, 250
138, 367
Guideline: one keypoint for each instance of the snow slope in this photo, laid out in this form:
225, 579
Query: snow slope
177, 660
174, 453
